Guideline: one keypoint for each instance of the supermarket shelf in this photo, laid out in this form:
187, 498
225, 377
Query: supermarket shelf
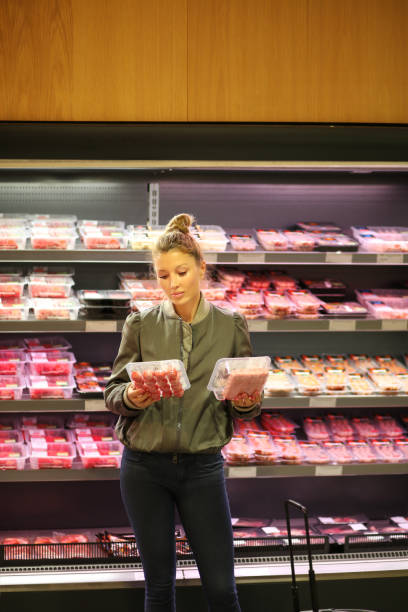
226, 257
255, 325
284, 402
245, 471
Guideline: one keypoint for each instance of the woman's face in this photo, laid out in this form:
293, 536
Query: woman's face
179, 276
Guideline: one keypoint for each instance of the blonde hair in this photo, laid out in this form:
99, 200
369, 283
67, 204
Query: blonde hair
177, 236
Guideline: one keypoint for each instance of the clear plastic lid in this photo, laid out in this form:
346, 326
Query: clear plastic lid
104, 223
10, 436
316, 428
308, 383
51, 357
108, 297
50, 308
13, 456
95, 434
41, 421
338, 451
277, 423
160, 378
58, 271
46, 343
233, 376
278, 383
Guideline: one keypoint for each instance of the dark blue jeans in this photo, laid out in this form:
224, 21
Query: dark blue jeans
152, 486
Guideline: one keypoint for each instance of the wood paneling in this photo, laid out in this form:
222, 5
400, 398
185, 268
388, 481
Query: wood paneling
298, 60
93, 60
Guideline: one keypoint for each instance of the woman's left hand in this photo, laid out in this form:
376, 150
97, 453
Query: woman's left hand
244, 400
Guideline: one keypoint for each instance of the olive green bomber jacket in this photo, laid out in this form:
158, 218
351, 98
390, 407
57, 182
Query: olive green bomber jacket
197, 422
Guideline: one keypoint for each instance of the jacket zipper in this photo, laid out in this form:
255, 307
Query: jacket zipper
180, 408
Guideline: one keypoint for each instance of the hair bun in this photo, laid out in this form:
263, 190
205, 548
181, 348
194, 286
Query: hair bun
180, 223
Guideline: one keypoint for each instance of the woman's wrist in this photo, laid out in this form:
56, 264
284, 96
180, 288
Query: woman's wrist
127, 399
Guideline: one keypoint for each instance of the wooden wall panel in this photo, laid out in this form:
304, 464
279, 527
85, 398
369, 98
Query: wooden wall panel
93, 60
298, 60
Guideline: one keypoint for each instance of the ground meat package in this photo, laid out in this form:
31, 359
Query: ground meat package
233, 376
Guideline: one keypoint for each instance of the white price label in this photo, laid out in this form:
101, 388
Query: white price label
339, 257
390, 258
258, 325
342, 325
242, 472
394, 325
100, 326
329, 470
253, 257
326, 520
322, 401
270, 530
358, 527
211, 257
94, 405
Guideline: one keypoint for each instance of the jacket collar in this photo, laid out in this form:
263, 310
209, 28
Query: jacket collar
202, 310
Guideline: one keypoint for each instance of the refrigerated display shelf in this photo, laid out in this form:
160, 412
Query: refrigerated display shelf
244, 471
225, 257
288, 402
254, 325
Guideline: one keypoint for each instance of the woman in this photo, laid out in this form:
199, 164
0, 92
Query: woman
172, 455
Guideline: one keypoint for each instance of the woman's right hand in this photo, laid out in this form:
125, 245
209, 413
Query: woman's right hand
138, 398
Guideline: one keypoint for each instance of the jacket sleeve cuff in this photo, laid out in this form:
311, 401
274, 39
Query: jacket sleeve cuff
245, 413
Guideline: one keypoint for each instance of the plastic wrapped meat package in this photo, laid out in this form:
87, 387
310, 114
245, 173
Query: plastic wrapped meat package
313, 452
143, 289
362, 451
11, 436
47, 343
277, 304
40, 438
55, 309
50, 286
287, 363
247, 302
257, 281
11, 387
53, 238
344, 309
289, 449
359, 384
390, 363
50, 363
386, 382
12, 362
278, 424
213, 291
339, 362
272, 240
14, 309
278, 383
386, 451
339, 532
300, 241
362, 363
79, 420
53, 455
210, 237
11, 286
232, 377
13, 238
139, 239
334, 241
305, 303
308, 383
340, 427
336, 380
381, 310
104, 304
12, 455
338, 451
402, 445
100, 454
231, 278
94, 434
162, 379
282, 282
365, 427
265, 450
50, 387
242, 242
238, 451
316, 429
314, 363
403, 382
389, 427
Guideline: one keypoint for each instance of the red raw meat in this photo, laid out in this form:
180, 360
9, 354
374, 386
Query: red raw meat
247, 381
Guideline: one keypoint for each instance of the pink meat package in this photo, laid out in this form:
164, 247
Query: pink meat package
233, 377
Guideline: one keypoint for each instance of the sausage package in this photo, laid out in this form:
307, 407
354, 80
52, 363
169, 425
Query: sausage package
236, 375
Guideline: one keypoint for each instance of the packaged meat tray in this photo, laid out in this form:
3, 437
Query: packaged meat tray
365, 427
380, 310
326, 289
278, 383
344, 309
89, 387
390, 363
231, 278
55, 309
287, 363
359, 384
46, 343
403, 381
243, 242
300, 241
41, 421
233, 376
95, 420
100, 454
336, 380
308, 383
282, 282
242, 426
338, 533
277, 424
400, 443
111, 297
50, 217
13, 344
10, 436
12, 456
389, 427
316, 429
224, 305
312, 226
211, 237
314, 363
50, 387
337, 451
238, 451
277, 304
213, 291
53, 238
255, 281
14, 309
162, 379
40, 438
103, 312
362, 363
11, 286
11, 387
247, 299
304, 302
13, 238
138, 238
100, 238
55, 455
313, 452
264, 448
50, 363
362, 451
8, 423
52, 286
94, 434
386, 382
143, 289
12, 362
85, 224
333, 241
386, 451
289, 449
249, 522
272, 240
51, 271
340, 427
343, 520
338, 361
